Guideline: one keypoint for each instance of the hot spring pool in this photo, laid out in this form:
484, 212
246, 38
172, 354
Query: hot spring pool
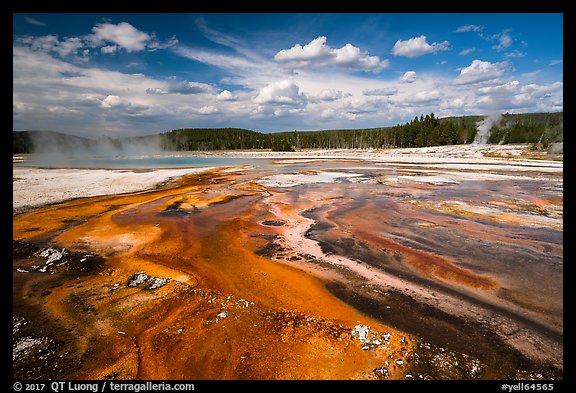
135, 162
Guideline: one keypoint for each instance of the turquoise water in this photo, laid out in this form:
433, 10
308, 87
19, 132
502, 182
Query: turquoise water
137, 162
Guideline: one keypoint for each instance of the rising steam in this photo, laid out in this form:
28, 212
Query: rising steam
484, 126
55, 149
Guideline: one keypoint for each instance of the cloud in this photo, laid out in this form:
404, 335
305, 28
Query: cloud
364, 105
226, 95
542, 89
328, 113
317, 54
109, 37
217, 36
70, 46
186, 87
424, 97
183, 88
515, 53
514, 95
329, 94
208, 110
408, 77
500, 89
110, 101
352, 109
231, 63
108, 49
467, 28
385, 91
323, 94
44, 43
156, 90
154, 44
531, 75
466, 51
504, 41
51, 43
85, 99
284, 92
480, 71
245, 57
315, 51
123, 34
34, 22
244, 65
417, 46
453, 103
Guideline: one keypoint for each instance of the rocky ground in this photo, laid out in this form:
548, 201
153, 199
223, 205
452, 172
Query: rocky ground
348, 268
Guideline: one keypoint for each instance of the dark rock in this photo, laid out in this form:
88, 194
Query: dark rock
273, 223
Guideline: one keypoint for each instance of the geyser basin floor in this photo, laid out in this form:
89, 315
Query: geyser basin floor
315, 269
33, 187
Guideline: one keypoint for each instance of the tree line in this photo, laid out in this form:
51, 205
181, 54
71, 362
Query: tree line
423, 131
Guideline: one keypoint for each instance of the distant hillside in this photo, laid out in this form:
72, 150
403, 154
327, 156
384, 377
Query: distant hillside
213, 139
428, 131
529, 128
28, 141
422, 131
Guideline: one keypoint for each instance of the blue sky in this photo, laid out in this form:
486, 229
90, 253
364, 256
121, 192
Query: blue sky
133, 74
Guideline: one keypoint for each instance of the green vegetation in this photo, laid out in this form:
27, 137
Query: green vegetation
536, 128
26, 141
213, 139
420, 132
21, 142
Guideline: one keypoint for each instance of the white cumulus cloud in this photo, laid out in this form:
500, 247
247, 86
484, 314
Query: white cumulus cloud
284, 92
417, 46
317, 53
480, 71
226, 95
123, 34
408, 77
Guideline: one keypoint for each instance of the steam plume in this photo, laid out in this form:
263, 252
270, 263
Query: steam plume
484, 126
56, 149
